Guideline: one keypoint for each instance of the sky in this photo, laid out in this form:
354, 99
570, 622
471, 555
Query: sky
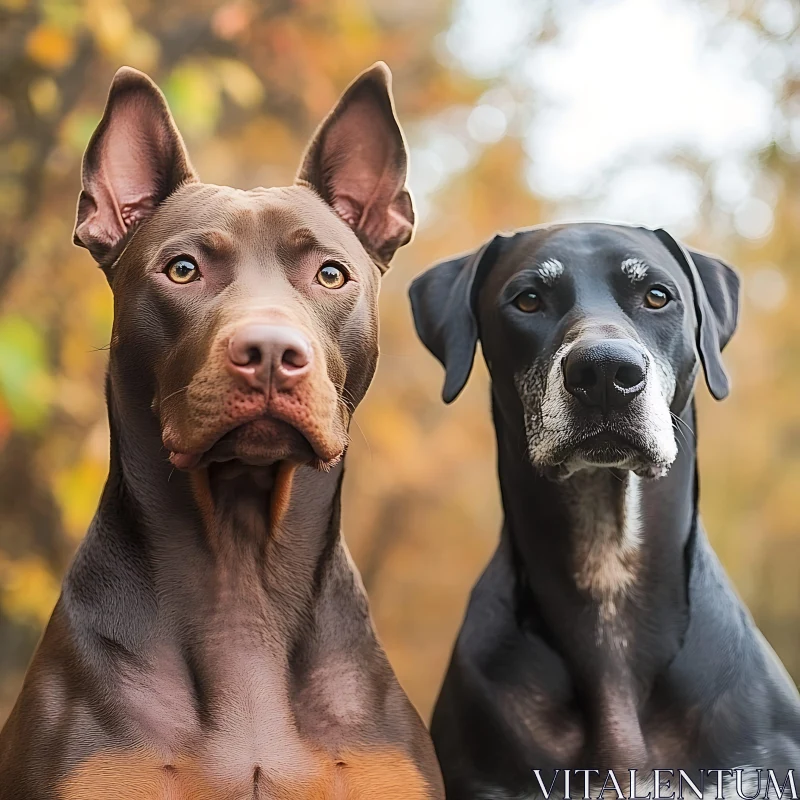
616, 107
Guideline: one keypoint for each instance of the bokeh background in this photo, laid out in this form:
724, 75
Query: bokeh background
675, 113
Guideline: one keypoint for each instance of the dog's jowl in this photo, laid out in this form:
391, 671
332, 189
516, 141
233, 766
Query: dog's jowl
212, 640
603, 634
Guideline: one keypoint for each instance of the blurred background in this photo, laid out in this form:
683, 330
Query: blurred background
663, 112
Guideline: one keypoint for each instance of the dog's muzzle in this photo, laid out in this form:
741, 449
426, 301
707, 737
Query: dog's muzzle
599, 402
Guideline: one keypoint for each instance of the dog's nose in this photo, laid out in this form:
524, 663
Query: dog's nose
265, 355
605, 374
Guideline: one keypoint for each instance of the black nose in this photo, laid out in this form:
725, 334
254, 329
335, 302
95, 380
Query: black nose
605, 374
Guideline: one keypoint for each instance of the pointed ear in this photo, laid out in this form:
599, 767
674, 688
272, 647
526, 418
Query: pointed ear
135, 160
443, 303
357, 161
716, 301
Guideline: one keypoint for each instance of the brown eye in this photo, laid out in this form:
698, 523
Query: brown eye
656, 297
331, 276
182, 270
529, 302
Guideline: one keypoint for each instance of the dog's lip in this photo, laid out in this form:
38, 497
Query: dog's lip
597, 441
224, 448
184, 460
607, 438
192, 460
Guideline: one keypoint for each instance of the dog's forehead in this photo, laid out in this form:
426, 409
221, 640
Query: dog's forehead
583, 248
282, 217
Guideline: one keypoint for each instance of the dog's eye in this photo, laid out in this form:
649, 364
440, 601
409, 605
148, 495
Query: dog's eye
331, 276
182, 270
528, 302
656, 297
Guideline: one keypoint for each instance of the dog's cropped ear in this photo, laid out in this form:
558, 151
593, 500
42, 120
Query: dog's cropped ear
443, 301
716, 302
358, 163
135, 160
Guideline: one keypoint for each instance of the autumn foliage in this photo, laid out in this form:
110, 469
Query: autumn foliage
247, 83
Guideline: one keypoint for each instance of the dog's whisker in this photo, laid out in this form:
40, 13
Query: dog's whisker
351, 401
685, 425
172, 394
364, 437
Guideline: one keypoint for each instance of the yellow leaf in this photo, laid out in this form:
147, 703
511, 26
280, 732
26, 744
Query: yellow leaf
140, 50
77, 490
240, 82
49, 46
112, 26
28, 591
44, 96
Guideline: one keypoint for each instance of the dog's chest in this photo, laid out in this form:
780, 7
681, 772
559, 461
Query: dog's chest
609, 729
141, 775
236, 735
592, 711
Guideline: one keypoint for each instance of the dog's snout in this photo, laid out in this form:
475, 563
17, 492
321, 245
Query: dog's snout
265, 355
605, 374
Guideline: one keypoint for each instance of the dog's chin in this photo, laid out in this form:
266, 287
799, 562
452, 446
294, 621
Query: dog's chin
605, 450
259, 443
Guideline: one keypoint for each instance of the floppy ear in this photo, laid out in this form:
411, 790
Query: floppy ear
135, 160
443, 304
358, 163
716, 301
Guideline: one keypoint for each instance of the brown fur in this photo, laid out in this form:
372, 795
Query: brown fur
281, 493
213, 641
351, 775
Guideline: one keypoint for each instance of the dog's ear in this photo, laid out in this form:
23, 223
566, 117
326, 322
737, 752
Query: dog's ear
716, 300
722, 284
443, 301
357, 161
135, 160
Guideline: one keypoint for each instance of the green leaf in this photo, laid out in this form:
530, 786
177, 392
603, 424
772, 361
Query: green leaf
24, 380
193, 92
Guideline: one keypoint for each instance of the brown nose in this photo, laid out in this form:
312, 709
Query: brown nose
265, 355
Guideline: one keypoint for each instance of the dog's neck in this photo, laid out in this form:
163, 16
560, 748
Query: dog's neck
603, 514
601, 579
252, 541
600, 556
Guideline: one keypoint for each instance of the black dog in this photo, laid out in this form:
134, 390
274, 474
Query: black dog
604, 633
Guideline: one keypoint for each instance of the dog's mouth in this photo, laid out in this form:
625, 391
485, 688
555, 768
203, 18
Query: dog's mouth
259, 442
608, 449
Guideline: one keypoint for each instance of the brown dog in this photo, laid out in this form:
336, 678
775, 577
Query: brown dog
212, 640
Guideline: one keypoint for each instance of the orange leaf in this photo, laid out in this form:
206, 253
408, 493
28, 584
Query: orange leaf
49, 46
